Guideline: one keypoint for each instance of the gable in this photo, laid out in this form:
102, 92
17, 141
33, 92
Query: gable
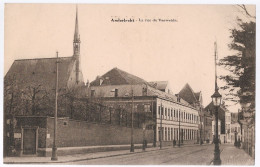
187, 94
117, 77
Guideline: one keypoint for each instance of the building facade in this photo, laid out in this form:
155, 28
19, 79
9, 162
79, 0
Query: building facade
172, 117
222, 119
205, 118
228, 128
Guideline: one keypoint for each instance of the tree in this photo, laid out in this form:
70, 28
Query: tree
241, 64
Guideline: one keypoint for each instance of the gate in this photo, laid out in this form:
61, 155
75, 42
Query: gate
30, 141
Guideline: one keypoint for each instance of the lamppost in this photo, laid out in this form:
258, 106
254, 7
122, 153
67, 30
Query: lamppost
216, 99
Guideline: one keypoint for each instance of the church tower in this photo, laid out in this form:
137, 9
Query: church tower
76, 47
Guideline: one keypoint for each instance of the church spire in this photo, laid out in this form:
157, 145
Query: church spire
76, 33
76, 47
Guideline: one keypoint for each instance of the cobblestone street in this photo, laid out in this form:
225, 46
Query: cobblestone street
194, 155
185, 155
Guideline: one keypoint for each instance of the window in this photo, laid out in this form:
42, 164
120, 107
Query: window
174, 112
159, 110
116, 92
147, 108
165, 113
169, 134
144, 91
162, 111
92, 93
169, 113
165, 133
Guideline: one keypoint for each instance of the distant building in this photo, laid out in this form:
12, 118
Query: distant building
195, 100
222, 117
214, 129
228, 128
235, 132
115, 89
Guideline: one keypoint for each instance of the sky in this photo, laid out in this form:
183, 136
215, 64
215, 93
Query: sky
179, 52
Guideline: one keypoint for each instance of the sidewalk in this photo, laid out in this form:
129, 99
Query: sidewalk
79, 157
235, 156
230, 155
73, 158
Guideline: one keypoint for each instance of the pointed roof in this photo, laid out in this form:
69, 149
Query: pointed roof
28, 72
76, 33
117, 77
198, 95
188, 94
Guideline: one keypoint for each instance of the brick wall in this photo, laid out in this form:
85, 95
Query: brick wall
80, 133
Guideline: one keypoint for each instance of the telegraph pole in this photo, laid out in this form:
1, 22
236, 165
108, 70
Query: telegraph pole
179, 128
161, 126
132, 122
54, 148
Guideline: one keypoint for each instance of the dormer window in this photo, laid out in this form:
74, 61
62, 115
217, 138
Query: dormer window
100, 81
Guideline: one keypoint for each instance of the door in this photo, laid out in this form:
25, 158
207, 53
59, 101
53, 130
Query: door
29, 141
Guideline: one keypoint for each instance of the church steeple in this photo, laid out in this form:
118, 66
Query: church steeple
76, 41
76, 47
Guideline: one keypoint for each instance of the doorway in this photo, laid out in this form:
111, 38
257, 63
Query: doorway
30, 141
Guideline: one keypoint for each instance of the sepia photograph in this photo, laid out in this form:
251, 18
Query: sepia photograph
129, 84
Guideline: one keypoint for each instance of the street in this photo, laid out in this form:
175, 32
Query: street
188, 155
185, 155
193, 155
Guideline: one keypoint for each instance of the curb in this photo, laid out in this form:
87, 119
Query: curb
84, 159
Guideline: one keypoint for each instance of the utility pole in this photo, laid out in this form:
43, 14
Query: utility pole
161, 126
132, 122
54, 148
179, 128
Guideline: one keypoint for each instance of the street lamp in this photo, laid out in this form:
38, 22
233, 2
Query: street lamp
216, 100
